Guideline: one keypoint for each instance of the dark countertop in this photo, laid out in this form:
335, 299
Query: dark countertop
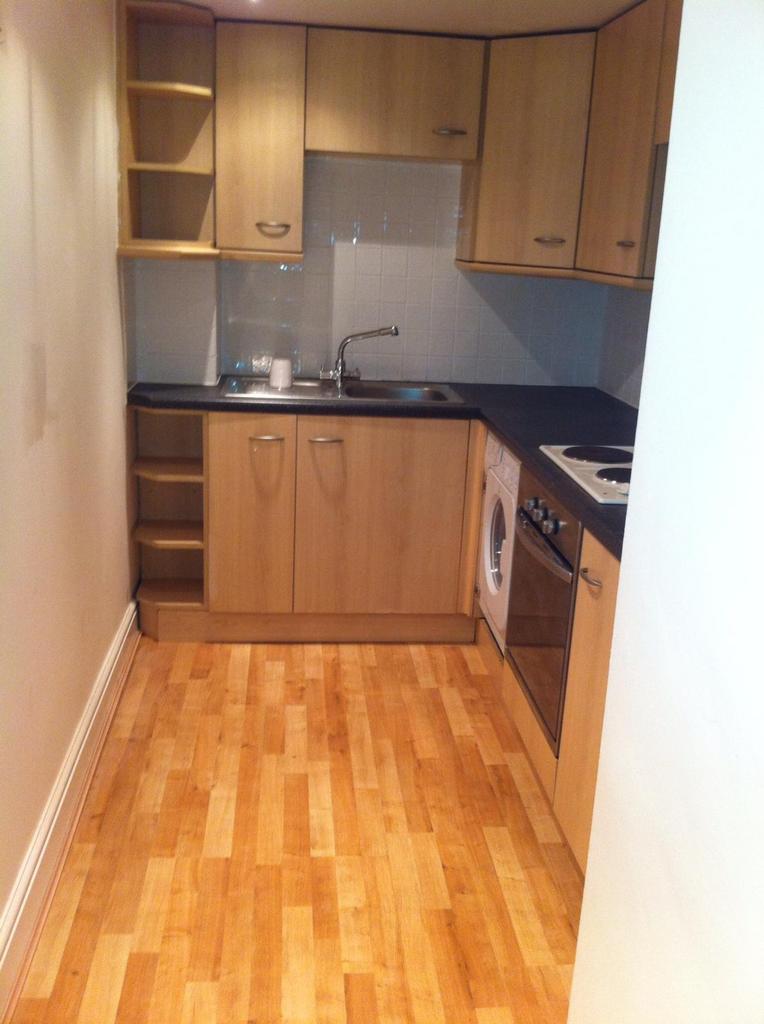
524, 417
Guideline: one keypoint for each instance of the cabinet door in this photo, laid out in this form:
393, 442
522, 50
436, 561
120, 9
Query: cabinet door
585, 695
379, 514
669, 52
259, 136
250, 511
534, 143
391, 94
620, 153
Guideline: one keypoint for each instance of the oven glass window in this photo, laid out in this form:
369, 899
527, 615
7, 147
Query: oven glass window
538, 629
498, 538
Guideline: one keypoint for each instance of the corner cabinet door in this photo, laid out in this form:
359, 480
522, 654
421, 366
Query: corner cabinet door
533, 150
620, 155
259, 136
379, 514
585, 695
392, 94
250, 511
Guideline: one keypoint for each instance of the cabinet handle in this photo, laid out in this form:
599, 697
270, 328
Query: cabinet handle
267, 437
272, 225
626, 243
591, 580
549, 240
449, 132
326, 440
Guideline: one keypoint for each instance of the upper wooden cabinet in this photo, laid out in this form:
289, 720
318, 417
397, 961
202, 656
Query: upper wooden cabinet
585, 695
260, 135
522, 201
620, 155
379, 514
391, 94
670, 51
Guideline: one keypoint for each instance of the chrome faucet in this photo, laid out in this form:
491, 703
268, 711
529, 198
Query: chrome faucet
338, 374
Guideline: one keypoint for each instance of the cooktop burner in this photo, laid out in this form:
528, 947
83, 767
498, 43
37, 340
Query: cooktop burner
595, 467
615, 474
597, 453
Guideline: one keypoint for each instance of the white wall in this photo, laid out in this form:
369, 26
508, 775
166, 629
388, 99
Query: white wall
63, 549
674, 903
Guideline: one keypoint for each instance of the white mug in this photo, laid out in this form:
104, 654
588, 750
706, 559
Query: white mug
281, 373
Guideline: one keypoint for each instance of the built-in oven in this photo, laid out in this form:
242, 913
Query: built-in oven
541, 597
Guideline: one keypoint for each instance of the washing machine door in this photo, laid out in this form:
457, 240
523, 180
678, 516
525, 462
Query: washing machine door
496, 554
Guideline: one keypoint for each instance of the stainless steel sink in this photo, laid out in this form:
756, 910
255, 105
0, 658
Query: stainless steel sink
387, 391
351, 391
258, 387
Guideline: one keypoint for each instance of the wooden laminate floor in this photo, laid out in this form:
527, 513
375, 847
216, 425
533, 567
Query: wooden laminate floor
298, 834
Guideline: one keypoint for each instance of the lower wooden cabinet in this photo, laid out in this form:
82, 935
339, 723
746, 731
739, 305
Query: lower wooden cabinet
250, 512
379, 514
320, 518
585, 695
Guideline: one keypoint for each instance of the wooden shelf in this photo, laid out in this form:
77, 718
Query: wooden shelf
143, 167
171, 471
160, 249
170, 534
258, 255
170, 90
172, 593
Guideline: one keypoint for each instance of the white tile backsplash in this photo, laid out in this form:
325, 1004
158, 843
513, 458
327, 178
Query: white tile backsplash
170, 310
379, 249
624, 334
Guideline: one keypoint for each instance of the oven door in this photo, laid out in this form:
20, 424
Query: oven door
539, 622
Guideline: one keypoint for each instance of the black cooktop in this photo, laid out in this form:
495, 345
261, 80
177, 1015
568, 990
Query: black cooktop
597, 453
615, 474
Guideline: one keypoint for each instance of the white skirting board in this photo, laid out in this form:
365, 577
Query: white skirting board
21, 917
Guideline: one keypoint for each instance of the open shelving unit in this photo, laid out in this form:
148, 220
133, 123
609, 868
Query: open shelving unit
170, 524
167, 108
170, 471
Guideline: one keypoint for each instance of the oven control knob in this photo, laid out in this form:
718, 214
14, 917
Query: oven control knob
550, 526
539, 514
531, 503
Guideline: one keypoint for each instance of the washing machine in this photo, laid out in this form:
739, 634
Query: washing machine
502, 476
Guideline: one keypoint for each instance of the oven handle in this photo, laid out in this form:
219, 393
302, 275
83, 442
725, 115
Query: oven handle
538, 548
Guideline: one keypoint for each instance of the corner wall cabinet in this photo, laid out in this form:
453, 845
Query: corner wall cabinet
166, 112
521, 201
260, 138
393, 94
306, 527
621, 197
669, 53
585, 695
620, 154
